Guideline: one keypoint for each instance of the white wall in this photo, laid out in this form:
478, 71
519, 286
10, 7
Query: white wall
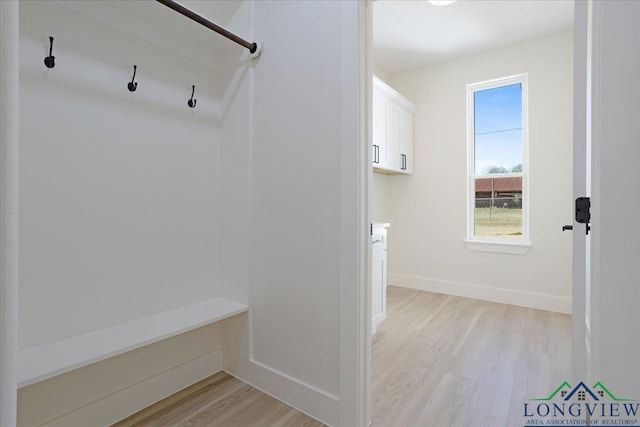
290, 343
381, 198
118, 190
296, 190
120, 215
251, 198
380, 72
235, 167
426, 240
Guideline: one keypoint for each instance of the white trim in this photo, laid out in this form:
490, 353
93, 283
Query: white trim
304, 397
126, 402
394, 95
355, 296
498, 247
580, 342
486, 293
46, 361
595, 136
471, 174
9, 142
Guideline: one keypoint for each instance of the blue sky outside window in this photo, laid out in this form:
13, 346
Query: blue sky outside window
498, 129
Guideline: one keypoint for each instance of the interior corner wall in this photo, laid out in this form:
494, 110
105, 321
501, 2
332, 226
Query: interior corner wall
120, 214
118, 190
428, 221
296, 190
381, 73
235, 166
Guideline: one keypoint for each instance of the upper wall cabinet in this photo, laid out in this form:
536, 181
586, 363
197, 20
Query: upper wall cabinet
392, 130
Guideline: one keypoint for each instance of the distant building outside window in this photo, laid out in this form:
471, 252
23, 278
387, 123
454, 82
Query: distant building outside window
498, 160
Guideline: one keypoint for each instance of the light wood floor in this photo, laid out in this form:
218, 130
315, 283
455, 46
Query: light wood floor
220, 401
441, 360
438, 360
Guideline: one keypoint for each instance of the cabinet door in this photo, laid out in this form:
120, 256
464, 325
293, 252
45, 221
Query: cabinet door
394, 136
380, 131
405, 133
400, 139
378, 279
378, 288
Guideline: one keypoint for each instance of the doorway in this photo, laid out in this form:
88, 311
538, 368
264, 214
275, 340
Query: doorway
429, 255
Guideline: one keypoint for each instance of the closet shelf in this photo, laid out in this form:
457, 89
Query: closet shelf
46, 361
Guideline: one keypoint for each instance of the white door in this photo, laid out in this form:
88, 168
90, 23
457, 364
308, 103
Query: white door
611, 274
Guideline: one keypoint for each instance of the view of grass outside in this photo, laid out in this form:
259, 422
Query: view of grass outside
498, 169
504, 223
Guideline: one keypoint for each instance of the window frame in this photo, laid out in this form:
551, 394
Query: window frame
496, 244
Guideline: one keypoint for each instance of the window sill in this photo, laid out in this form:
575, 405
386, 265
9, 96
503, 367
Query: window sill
519, 248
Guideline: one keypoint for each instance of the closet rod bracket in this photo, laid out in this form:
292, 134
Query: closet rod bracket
254, 48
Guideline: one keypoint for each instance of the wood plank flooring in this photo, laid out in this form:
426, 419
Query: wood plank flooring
438, 360
220, 401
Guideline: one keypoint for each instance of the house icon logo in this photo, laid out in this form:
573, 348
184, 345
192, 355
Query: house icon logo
581, 405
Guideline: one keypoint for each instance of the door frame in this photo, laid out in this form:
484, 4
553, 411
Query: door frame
355, 301
584, 352
581, 95
9, 123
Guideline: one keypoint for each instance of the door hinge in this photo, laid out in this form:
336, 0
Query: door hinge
583, 211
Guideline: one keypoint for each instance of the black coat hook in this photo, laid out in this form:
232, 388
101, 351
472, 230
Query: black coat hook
192, 102
132, 84
50, 61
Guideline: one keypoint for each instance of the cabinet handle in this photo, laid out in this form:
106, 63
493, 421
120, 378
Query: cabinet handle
403, 158
376, 154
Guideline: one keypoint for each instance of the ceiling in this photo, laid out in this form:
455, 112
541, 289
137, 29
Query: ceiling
410, 34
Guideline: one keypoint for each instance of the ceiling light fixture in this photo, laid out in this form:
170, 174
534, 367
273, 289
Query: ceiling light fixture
441, 2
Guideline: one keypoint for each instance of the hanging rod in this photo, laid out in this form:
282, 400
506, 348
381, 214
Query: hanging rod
254, 48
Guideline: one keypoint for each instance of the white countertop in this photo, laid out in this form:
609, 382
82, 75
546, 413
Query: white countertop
381, 224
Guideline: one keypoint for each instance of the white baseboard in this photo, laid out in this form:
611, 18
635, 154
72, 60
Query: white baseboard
138, 396
304, 397
481, 292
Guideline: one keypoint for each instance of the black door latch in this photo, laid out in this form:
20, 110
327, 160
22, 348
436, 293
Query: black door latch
583, 211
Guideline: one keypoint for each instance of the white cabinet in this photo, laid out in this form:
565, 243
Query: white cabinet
379, 275
405, 136
392, 130
380, 112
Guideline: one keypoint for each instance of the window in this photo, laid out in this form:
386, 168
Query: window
498, 161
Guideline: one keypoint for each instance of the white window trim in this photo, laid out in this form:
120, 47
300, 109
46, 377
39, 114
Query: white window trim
498, 244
